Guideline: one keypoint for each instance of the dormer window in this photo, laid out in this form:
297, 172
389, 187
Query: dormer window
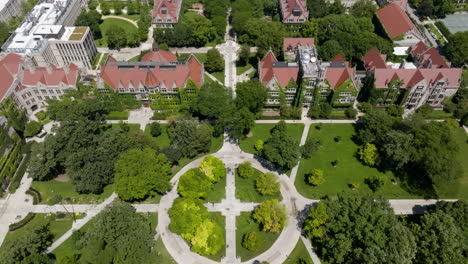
163, 10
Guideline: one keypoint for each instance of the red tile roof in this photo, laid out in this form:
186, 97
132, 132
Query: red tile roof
284, 74
160, 75
337, 74
410, 77
293, 43
375, 60
394, 20
171, 9
9, 67
428, 57
52, 76
289, 9
159, 56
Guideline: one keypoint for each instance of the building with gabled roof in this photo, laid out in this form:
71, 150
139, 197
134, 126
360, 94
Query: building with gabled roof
398, 25
29, 86
166, 12
159, 74
427, 57
429, 83
294, 11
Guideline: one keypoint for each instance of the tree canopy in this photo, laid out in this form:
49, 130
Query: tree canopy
272, 216
251, 94
139, 173
281, 149
267, 183
194, 184
213, 168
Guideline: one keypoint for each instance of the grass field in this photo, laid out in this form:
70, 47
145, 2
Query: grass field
219, 76
57, 227
133, 127
262, 131
163, 139
458, 188
218, 192
299, 252
246, 224
439, 114
66, 190
160, 253
109, 24
246, 192
349, 169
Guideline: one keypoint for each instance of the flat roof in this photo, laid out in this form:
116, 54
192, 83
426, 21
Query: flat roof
456, 22
3, 3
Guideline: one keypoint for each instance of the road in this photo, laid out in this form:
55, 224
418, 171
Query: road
427, 34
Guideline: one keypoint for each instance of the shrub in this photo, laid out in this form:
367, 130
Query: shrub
316, 177
368, 154
259, 145
351, 113
155, 129
309, 148
23, 222
124, 126
250, 241
245, 170
32, 128
425, 110
267, 184
365, 107
354, 185
337, 139
55, 199
375, 182
334, 163
41, 115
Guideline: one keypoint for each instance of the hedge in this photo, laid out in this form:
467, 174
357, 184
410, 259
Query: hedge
115, 115
443, 29
23, 222
37, 198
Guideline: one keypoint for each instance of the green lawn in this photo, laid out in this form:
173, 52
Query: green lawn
109, 24
241, 69
246, 224
67, 248
465, 78
246, 192
219, 76
437, 33
218, 218
160, 253
218, 192
200, 56
163, 139
133, 127
299, 252
458, 188
132, 17
262, 131
349, 169
57, 227
66, 190
439, 114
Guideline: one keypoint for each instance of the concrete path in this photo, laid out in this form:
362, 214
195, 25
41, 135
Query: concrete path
310, 250
244, 77
81, 222
121, 18
305, 133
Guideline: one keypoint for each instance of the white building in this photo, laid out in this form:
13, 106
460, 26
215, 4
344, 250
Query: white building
47, 35
9, 9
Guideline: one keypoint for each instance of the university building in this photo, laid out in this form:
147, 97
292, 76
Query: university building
429, 80
308, 80
294, 13
166, 13
158, 78
10, 9
47, 36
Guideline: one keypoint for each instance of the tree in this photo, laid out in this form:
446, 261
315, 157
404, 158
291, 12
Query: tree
425, 8
242, 121
316, 177
105, 9
259, 145
267, 184
250, 241
4, 32
212, 101
318, 8
186, 214
395, 110
439, 239
310, 147
155, 129
32, 128
139, 173
375, 182
310, 29
363, 223
330, 49
245, 170
271, 214
244, 55
213, 168
190, 137
368, 154
363, 8
442, 8
458, 47
251, 94
396, 149
208, 238
116, 37
281, 150
194, 184
351, 113
214, 61
425, 110
336, 8
375, 125
91, 19
117, 235
28, 247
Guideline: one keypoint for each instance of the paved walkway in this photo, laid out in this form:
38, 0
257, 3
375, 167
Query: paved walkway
121, 18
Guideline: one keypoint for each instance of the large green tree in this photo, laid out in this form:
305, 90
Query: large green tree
194, 184
213, 168
458, 47
271, 214
91, 19
139, 173
267, 184
281, 150
118, 235
363, 8
190, 137
186, 214
214, 61
251, 94
356, 228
